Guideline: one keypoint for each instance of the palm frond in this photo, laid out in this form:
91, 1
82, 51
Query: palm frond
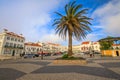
59, 14
84, 21
55, 23
76, 8
84, 11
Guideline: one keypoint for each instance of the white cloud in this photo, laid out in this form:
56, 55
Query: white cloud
52, 38
29, 17
109, 17
93, 37
97, 26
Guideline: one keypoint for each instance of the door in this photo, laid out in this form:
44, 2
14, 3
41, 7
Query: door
117, 53
13, 53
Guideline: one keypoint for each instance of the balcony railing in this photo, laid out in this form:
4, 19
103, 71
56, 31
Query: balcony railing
6, 46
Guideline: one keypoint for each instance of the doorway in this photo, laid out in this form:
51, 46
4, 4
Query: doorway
13, 53
117, 53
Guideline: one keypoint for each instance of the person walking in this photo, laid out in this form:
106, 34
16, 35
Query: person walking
90, 55
42, 55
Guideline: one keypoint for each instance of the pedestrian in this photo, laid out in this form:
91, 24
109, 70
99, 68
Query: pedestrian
90, 54
93, 53
42, 55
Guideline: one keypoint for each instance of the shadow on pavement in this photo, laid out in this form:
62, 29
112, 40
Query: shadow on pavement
110, 64
102, 72
10, 74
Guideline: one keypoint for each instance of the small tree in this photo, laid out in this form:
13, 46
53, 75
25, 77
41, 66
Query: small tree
105, 45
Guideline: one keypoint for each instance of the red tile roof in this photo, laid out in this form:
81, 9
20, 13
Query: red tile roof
33, 44
116, 45
14, 34
95, 42
87, 42
54, 44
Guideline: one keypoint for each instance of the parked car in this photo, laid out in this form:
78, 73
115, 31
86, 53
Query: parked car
29, 56
97, 52
47, 54
36, 55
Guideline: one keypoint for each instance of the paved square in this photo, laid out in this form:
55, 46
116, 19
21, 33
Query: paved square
36, 69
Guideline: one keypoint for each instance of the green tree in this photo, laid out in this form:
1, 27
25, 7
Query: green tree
73, 24
105, 45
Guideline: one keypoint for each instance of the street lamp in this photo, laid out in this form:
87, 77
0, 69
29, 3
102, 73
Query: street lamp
42, 52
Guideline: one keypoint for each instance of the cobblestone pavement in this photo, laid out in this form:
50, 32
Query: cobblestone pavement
105, 68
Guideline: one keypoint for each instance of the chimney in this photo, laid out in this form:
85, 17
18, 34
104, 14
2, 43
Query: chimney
5, 30
21, 35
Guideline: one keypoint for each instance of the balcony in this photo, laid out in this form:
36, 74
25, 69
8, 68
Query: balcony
20, 47
6, 46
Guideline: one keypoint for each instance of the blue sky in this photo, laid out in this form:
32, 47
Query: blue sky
34, 18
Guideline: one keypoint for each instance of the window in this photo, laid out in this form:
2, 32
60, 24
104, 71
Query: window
8, 38
20, 45
12, 39
15, 39
14, 45
21, 40
7, 44
37, 49
7, 51
18, 40
11, 44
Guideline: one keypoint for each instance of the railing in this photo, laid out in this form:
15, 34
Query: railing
6, 46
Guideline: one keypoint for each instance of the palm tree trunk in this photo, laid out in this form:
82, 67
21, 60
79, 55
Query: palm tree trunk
70, 43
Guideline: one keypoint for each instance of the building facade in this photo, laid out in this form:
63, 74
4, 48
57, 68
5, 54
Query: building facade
49, 47
116, 46
76, 48
11, 44
96, 46
63, 48
32, 48
112, 53
115, 51
89, 46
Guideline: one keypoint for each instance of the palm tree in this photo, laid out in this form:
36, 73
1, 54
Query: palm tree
73, 24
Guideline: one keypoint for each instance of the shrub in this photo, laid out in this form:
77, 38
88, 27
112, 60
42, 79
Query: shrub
71, 57
65, 56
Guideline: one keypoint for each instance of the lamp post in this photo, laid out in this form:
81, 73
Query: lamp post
91, 50
42, 52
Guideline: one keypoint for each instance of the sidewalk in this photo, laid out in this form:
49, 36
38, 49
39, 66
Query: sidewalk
2, 58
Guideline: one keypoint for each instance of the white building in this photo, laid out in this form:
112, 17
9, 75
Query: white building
44, 47
63, 48
49, 47
85, 46
116, 46
32, 48
55, 48
76, 48
96, 46
11, 44
88, 46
